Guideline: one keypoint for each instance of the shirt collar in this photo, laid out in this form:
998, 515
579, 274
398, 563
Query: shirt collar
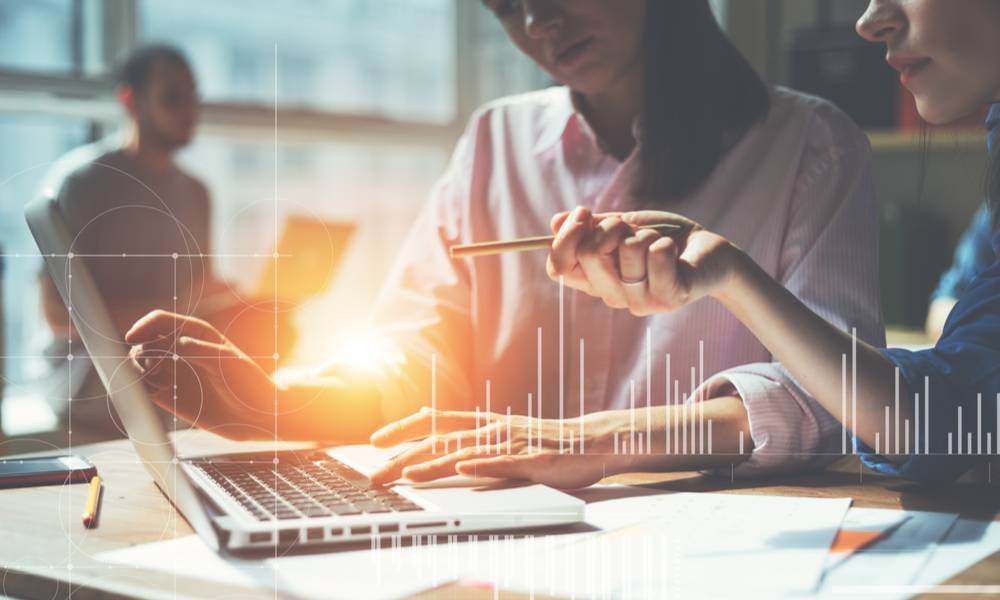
561, 111
565, 112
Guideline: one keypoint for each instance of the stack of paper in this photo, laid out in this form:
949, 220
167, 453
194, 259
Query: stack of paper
915, 552
677, 545
661, 545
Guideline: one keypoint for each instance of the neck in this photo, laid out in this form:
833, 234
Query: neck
613, 112
150, 155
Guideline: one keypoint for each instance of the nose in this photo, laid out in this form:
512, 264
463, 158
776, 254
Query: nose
882, 21
541, 18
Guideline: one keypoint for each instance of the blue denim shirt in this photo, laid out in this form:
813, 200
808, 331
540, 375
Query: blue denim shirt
973, 254
963, 367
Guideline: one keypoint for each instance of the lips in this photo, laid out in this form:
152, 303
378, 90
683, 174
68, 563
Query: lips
567, 53
908, 66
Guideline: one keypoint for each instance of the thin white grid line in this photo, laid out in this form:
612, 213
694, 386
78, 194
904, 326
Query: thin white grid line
275, 576
69, 414
562, 361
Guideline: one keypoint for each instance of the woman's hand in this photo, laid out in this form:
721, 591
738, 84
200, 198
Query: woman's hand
640, 269
194, 372
494, 445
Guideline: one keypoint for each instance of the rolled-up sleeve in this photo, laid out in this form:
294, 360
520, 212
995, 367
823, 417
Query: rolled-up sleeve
789, 430
829, 260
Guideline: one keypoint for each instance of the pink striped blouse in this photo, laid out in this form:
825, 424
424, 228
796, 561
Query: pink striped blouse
796, 194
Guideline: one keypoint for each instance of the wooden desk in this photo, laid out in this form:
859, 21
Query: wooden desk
46, 553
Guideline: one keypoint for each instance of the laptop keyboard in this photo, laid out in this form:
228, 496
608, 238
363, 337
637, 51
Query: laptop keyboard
313, 486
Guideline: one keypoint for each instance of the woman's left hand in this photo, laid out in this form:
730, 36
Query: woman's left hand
494, 445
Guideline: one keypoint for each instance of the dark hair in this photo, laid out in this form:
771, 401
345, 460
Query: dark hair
138, 66
701, 95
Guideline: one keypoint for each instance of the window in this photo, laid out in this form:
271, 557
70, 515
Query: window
385, 73
38, 36
377, 188
346, 56
22, 169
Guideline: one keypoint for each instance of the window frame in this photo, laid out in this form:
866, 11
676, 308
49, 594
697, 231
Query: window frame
110, 29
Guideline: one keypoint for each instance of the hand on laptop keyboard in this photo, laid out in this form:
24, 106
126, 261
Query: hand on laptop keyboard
495, 445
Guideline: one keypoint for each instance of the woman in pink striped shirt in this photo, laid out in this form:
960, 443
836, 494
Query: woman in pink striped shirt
657, 110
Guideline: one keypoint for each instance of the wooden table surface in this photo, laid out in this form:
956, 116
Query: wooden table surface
46, 553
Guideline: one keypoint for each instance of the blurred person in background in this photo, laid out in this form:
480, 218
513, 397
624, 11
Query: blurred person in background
143, 226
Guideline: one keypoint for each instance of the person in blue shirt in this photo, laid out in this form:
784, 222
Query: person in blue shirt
973, 255
929, 415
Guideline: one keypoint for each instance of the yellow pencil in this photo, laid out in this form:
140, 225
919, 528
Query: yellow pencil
529, 243
93, 503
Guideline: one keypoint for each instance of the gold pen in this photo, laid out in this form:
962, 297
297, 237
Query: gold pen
530, 243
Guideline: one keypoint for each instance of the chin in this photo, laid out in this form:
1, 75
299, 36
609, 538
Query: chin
942, 113
932, 115
587, 84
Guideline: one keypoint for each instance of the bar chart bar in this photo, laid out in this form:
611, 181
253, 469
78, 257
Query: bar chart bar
959, 429
666, 400
530, 436
508, 430
684, 429
843, 404
649, 390
631, 416
927, 415
677, 394
478, 447
581, 396
434, 402
979, 423
896, 437
489, 411
854, 385
886, 438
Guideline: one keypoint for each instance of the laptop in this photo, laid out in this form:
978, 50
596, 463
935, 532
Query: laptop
245, 501
311, 249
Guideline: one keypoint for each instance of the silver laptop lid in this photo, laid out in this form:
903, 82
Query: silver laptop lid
109, 354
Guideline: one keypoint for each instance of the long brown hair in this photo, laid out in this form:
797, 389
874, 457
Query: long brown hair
701, 95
